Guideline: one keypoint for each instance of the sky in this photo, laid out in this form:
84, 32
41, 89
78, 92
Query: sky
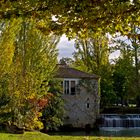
66, 48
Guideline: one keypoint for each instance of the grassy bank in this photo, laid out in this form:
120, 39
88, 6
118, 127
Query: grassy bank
41, 136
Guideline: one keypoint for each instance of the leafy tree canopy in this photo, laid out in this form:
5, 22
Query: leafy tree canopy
28, 62
76, 16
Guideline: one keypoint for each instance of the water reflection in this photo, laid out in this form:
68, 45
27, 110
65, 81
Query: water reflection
120, 132
110, 132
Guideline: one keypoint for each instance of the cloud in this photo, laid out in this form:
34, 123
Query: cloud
65, 47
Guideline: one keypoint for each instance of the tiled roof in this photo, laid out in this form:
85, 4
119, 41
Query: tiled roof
65, 71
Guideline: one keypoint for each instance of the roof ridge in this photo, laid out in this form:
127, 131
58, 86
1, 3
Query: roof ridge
70, 72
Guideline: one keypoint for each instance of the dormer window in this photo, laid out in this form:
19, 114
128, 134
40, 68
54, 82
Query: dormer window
69, 86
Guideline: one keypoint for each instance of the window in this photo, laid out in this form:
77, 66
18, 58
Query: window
87, 105
73, 86
66, 87
70, 86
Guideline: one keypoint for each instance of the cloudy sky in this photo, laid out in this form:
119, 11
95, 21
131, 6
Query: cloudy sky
66, 48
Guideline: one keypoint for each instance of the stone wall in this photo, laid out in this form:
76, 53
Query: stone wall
83, 108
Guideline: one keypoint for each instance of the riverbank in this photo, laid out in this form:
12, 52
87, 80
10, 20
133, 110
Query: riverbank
120, 110
41, 136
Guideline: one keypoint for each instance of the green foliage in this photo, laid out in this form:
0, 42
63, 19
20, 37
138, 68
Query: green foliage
119, 81
108, 96
66, 60
30, 65
86, 83
122, 76
135, 41
52, 114
75, 16
92, 55
126, 73
8, 33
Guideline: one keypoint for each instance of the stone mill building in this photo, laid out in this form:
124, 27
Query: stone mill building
81, 96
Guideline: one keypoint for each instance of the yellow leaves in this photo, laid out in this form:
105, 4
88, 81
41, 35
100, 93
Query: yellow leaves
41, 24
33, 121
31, 96
28, 58
37, 124
7, 47
118, 27
17, 94
7, 6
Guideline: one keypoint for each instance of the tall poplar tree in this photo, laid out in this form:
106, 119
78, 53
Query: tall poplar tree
92, 55
33, 61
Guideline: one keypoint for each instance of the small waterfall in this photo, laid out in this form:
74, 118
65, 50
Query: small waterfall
113, 121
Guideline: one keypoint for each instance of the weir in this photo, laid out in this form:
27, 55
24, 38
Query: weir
113, 121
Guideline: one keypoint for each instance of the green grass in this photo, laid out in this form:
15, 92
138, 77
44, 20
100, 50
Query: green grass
41, 136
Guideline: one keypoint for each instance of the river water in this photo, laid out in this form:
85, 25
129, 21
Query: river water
125, 125
108, 132
128, 132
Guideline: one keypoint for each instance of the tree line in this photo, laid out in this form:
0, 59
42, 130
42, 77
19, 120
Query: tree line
119, 83
28, 63
29, 33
